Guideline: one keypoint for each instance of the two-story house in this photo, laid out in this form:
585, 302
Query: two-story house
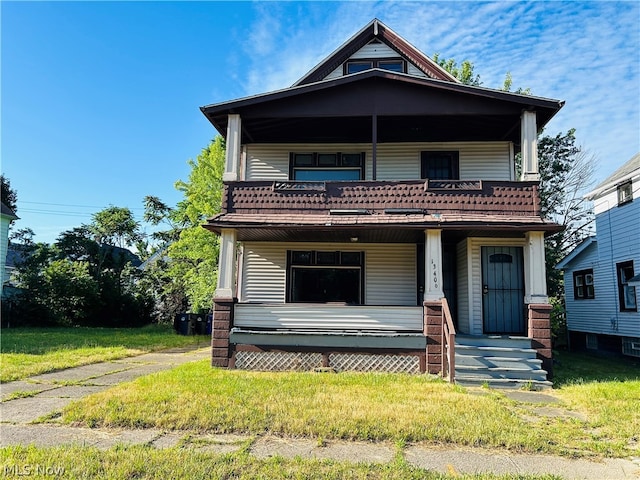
601, 274
372, 210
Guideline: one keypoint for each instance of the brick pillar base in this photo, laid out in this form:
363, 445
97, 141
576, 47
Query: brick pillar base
433, 332
539, 330
222, 322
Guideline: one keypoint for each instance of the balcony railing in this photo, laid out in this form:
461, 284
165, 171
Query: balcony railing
383, 197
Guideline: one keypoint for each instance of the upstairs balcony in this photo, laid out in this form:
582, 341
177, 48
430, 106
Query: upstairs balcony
413, 197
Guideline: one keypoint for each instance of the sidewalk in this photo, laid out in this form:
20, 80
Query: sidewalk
56, 390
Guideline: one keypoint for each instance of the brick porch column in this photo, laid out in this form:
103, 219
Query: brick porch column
433, 332
539, 330
222, 322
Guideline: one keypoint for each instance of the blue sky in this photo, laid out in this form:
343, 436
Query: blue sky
100, 100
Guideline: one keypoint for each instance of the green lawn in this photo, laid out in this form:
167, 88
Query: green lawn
30, 351
376, 407
148, 463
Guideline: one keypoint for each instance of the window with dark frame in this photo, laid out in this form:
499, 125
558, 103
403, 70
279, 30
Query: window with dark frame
440, 165
325, 277
326, 166
392, 64
626, 293
583, 285
625, 193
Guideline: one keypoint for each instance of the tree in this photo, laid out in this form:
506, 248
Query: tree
9, 195
465, 72
190, 269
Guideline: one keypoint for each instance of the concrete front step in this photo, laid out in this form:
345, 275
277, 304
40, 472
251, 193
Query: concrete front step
473, 381
486, 351
494, 341
498, 361
513, 373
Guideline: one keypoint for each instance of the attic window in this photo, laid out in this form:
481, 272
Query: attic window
625, 193
391, 64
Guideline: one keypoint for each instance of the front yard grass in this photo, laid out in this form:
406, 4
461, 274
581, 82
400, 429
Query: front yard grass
375, 407
149, 463
31, 351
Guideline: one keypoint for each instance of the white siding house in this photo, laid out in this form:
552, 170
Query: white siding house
365, 195
6, 217
601, 302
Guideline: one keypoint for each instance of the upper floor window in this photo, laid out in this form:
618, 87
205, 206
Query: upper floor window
626, 292
320, 166
437, 165
392, 64
583, 285
625, 193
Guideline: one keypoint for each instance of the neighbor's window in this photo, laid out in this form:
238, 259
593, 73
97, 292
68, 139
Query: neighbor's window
626, 292
583, 285
321, 277
438, 165
319, 166
625, 193
393, 65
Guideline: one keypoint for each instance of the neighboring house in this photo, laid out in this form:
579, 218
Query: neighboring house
6, 217
358, 199
601, 275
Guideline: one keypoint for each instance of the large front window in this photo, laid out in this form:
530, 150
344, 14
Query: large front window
325, 276
327, 166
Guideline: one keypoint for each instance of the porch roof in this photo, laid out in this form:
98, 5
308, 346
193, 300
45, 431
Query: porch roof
405, 108
380, 227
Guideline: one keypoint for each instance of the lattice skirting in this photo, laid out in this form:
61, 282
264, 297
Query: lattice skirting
305, 361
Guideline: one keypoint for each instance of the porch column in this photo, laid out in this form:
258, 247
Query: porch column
224, 300
233, 142
529, 148
433, 291
226, 264
535, 279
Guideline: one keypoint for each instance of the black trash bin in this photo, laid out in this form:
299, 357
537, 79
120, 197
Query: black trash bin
182, 324
208, 324
199, 322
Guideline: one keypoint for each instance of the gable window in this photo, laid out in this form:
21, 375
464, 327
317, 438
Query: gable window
625, 193
391, 64
322, 277
326, 166
626, 293
583, 285
438, 165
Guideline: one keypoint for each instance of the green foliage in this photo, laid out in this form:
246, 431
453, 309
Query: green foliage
9, 195
188, 270
85, 278
465, 72
71, 293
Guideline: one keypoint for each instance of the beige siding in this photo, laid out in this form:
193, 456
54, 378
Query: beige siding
390, 271
328, 317
463, 287
396, 161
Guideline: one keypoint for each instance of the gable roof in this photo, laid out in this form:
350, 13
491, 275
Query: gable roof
621, 175
575, 253
376, 30
7, 212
